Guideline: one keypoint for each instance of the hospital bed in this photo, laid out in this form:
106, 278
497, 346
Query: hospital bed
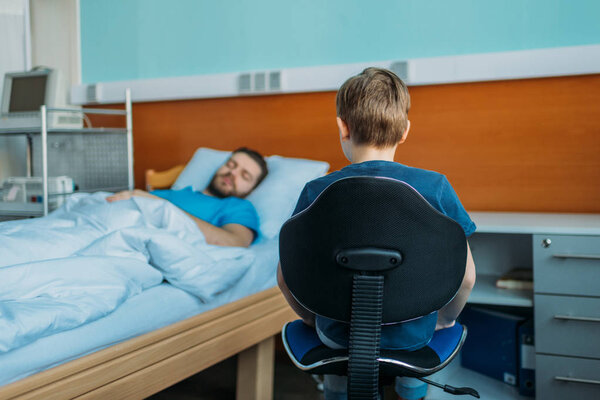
165, 334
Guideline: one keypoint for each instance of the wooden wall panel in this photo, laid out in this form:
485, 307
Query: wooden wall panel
527, 145
523, 145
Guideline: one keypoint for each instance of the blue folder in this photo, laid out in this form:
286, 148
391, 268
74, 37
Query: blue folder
526, 359
492, 344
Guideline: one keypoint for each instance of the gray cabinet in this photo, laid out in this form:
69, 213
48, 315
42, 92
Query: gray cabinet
567, 264
567, 378
564, 252
567, 316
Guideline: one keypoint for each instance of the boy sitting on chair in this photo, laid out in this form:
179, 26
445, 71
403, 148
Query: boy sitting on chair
372, 117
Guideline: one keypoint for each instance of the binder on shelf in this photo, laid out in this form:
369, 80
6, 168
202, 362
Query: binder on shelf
492, 345
526, 359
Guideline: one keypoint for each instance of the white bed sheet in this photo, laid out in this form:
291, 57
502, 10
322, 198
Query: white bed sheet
152, 309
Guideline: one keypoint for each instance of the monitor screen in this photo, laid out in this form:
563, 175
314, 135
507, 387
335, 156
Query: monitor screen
27, 93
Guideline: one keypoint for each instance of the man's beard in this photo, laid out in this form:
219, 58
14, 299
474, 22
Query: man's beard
215, 191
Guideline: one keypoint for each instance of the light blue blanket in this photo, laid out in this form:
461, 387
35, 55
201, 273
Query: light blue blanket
85, 259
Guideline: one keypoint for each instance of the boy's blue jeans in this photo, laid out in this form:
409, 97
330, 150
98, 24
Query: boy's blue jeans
335, 388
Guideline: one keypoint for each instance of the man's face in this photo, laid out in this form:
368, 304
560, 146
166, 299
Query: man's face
237, 177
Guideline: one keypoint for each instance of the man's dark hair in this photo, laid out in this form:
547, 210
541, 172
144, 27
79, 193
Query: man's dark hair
258, 158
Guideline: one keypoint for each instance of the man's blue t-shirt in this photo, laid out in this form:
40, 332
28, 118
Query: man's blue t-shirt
214, 210
436, 189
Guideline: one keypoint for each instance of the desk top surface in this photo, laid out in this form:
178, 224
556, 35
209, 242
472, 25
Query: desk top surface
533, 223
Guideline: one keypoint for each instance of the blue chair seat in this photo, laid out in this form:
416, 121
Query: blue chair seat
308, 353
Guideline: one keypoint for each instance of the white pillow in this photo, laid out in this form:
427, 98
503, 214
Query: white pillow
276, 196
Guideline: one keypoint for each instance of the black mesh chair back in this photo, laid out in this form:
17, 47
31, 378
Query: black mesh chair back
370, 251
362, 213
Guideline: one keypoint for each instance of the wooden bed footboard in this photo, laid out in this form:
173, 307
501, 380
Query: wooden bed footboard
147, 364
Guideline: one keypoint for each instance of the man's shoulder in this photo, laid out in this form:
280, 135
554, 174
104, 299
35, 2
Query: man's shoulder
237, 202
237, 205
235, 210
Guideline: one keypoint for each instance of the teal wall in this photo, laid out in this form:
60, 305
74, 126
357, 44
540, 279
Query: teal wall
139, 39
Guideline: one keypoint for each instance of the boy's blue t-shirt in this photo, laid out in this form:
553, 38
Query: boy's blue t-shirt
436, 189
214, 210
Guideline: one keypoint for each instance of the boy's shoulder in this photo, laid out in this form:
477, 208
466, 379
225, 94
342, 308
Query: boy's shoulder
432, 185
420, 179
386, 169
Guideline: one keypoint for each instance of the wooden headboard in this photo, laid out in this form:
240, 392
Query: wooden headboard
521, 145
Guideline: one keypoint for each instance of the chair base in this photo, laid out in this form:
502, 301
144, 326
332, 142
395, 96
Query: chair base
309, 354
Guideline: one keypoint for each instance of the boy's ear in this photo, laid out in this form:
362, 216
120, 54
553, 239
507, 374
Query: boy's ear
405, 134
343, 128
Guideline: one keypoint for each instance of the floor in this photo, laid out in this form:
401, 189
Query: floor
218, 383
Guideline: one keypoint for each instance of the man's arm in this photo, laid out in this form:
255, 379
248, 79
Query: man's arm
447, 315
307, 316
227, 235
127, 194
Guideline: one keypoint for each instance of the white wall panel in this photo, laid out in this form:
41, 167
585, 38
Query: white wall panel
561, 61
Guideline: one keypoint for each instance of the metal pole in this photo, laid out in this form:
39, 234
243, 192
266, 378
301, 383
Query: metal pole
129, 138
29, 155
44, 159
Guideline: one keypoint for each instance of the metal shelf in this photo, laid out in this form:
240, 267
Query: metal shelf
18, 209
486, 292
99, 189
106, 111
33, 209
38, 131
21, 209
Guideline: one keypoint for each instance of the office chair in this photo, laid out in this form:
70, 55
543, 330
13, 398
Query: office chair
370, 251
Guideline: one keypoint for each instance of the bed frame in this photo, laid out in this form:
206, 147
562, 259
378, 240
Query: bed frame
149, 363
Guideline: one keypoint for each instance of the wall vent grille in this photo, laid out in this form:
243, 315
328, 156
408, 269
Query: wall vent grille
275, 80
400, 68
260, 84
93, 93
244, 83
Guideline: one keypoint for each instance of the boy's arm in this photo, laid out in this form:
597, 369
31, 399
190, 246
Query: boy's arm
447, 315
307, 316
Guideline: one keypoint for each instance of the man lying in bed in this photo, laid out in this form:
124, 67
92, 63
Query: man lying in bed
220, 211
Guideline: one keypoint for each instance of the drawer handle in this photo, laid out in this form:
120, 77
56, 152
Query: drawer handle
571, 318
576, 380
578, 256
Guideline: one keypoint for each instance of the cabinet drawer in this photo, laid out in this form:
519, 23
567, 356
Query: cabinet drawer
566, 378
566, 264
567, 326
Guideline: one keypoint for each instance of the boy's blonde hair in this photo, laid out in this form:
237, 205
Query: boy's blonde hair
374, 104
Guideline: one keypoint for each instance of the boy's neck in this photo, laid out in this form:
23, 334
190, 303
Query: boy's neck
362, 153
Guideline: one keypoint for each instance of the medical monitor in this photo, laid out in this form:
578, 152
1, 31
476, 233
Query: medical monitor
25, 92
